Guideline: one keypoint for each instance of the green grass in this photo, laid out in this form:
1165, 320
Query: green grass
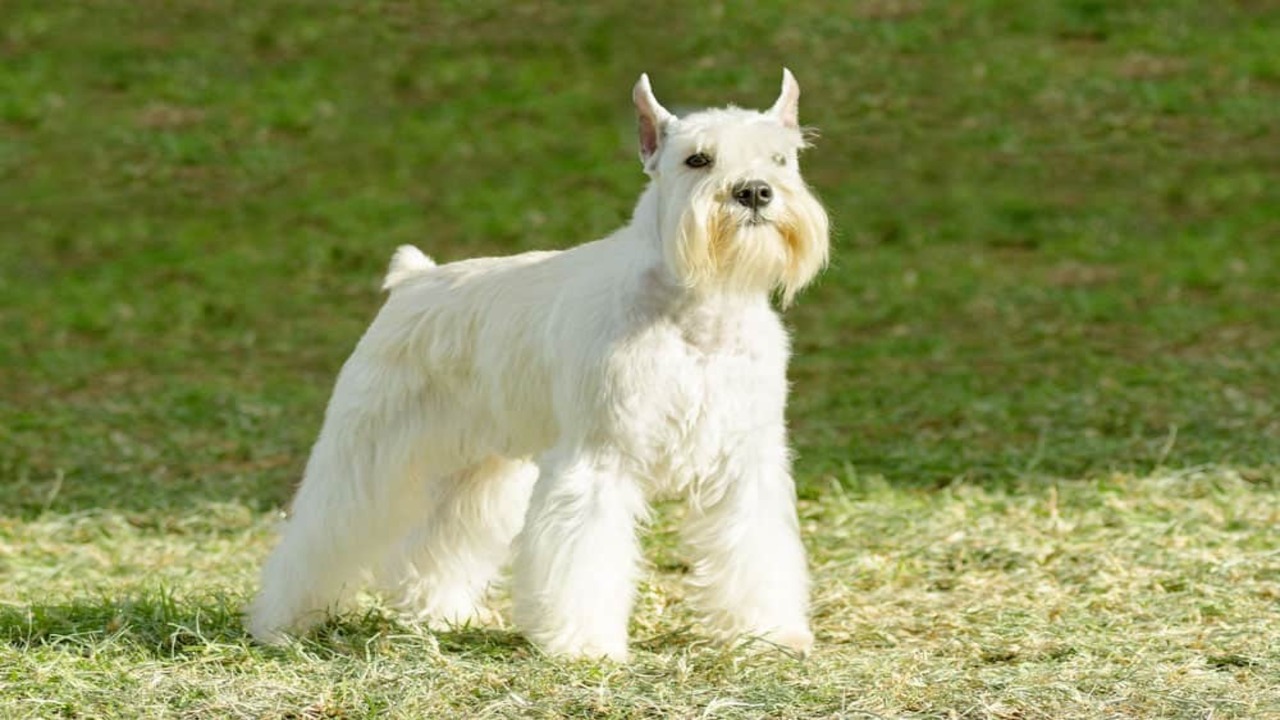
1034, 397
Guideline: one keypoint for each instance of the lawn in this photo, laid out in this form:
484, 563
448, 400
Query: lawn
1034, 398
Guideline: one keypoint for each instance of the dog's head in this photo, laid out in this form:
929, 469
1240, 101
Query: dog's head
732, 209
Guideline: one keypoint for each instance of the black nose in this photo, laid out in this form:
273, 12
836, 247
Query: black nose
754, 194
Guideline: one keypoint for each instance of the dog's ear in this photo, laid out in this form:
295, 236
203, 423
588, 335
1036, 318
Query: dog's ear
787, 108
651, 116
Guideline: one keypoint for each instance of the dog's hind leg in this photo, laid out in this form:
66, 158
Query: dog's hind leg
362, 485
440, 571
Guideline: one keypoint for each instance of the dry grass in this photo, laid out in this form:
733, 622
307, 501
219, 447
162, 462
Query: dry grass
1122, 597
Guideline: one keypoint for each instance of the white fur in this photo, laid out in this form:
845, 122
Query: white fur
542, 398
405, 263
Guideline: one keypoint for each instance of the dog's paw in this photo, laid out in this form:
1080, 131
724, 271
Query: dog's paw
576, 647
798, 640
264, 632
590, 651
468, 618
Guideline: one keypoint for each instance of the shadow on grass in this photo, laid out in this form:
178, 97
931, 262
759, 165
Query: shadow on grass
161, 625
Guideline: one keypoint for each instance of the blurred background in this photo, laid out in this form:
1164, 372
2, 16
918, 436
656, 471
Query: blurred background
1055, 248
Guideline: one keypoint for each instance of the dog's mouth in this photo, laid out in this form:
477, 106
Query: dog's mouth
756, 219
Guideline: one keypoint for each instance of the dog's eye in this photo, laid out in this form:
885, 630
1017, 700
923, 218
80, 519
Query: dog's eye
780, 159
698, 160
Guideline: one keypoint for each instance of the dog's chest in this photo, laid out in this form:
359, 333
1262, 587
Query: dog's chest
702, 392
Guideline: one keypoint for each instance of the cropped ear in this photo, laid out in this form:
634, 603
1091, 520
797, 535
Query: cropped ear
651, 116
787, 108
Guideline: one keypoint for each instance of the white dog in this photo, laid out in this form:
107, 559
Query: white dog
541, 398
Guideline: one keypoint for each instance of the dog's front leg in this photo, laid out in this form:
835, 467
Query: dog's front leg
749, 569
577, 556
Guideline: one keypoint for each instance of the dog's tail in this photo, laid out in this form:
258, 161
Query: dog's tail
406, 263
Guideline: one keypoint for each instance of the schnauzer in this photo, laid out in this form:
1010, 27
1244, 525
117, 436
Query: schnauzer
531, 405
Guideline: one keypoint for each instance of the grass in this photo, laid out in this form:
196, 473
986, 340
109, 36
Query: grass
1119, 597
1034, 397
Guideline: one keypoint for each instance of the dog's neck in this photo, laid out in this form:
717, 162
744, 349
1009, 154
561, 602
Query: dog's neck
709, 321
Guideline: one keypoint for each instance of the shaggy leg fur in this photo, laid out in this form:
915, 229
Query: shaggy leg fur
749, 571
362, 483
576, 560
440, 572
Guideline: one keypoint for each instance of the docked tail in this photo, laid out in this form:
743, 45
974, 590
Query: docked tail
406, 263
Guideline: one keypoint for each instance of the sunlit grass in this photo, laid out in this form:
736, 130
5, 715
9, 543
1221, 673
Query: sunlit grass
1034, 397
